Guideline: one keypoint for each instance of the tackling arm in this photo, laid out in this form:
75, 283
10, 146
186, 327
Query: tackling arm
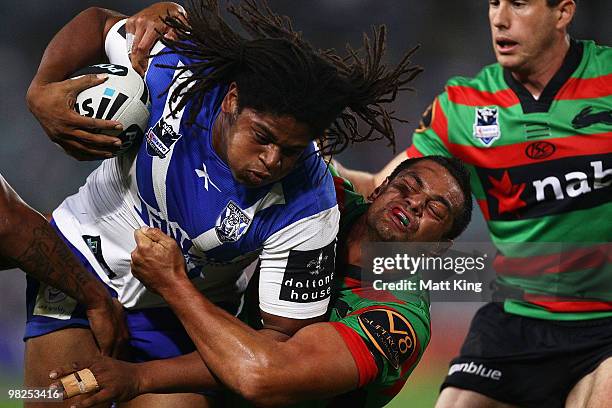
262, 368
27, 241
314, 363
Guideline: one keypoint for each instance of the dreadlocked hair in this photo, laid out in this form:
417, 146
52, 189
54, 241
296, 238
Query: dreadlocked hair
277, 72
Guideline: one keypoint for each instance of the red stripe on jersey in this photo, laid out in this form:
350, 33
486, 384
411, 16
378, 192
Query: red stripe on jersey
340, 192
568, 261
514, 155
464, 95
351, 283
584, 88
361, 354
439, 122
412, 152
484, 207
553, 304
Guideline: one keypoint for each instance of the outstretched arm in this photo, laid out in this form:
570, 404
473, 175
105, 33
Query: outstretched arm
313, 363
27, 241
120, 381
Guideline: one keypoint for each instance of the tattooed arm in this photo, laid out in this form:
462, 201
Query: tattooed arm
28, 242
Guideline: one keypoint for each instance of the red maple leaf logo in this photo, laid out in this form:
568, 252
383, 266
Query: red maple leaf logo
508, 195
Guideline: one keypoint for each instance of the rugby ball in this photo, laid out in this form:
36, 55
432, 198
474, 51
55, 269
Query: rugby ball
123, 97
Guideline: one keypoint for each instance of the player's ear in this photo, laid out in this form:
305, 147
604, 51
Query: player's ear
230, 101
565, 11
378, 190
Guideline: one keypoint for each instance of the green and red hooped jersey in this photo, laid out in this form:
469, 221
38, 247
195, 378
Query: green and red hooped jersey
386, 331
541, 171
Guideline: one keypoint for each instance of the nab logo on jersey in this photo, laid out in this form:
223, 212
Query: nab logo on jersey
486, 125
232, 224
160, 139
547, 188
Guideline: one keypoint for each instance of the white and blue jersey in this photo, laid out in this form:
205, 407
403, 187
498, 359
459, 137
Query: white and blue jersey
177, 182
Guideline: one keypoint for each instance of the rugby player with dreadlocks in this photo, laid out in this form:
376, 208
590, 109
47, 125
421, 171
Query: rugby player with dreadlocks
361, 357
228, 168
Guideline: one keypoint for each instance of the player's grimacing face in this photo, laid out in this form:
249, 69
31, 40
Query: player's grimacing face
263, 148
521, 30
419, 205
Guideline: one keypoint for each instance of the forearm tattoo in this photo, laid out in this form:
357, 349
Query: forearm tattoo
47, 258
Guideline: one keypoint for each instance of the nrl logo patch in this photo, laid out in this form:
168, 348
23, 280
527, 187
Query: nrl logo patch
160, 139
486, 125
232, 224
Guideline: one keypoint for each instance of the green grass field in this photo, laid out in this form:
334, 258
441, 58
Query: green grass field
5, 385
421, 391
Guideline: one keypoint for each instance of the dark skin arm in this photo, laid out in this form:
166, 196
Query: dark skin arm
263, 369
28, 242
121, 381
78, 44
51, 97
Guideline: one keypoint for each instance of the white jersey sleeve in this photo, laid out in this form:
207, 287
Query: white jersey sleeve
297, 267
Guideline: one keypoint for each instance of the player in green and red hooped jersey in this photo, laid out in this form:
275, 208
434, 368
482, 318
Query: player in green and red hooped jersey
535, 132
355, 358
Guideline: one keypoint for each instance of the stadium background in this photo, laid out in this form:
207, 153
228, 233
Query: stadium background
454, 39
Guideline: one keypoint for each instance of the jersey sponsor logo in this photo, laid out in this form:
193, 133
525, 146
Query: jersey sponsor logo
540, 150
587, 117
486, 125
232, 223
95, 246
390, 333
547, 188
160, 139
309, 275
153, 218
479, 370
